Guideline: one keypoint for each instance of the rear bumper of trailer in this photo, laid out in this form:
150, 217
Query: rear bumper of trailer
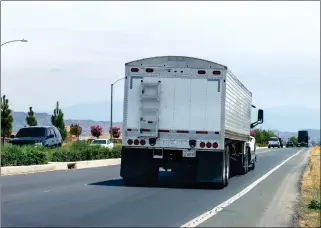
206, 166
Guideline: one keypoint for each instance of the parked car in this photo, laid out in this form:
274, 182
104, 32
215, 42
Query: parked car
289, 144
48, 136
273, 142
103, 142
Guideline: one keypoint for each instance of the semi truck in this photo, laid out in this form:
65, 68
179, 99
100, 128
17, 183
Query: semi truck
303, 138
186, 115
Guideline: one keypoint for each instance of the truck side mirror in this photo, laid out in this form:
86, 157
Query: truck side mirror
260, 116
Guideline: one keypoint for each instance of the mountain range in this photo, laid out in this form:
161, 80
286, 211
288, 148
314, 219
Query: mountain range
284, 120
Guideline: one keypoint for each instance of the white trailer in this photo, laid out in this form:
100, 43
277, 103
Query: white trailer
185, 114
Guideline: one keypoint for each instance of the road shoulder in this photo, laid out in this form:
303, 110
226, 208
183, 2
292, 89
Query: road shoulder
270, 204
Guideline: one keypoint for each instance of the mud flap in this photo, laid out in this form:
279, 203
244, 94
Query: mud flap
209, 166
136, 162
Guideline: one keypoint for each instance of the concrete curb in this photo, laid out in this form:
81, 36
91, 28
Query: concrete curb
55, 166
15, 170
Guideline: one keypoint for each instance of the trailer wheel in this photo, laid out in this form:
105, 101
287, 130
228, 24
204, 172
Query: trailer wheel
222, 184
228, 167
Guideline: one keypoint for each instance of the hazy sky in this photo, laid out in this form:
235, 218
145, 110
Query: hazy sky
76, 49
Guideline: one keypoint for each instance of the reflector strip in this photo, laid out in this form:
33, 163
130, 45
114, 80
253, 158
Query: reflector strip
201, 132
217, 132
163, 130
129, 129
181, 131
144, 129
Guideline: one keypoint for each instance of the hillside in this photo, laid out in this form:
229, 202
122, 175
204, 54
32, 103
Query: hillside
45, 119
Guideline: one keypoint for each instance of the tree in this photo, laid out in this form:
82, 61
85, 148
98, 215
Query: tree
57, 119
96, 131
6, 118
115, 132
30, 119
294, 140
75, 130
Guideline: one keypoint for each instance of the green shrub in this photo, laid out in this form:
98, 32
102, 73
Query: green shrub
314, 205
83, 151
77, 151
23, 155
261, 145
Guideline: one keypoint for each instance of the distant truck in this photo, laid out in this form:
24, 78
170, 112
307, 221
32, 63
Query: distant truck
185, 115
303, 138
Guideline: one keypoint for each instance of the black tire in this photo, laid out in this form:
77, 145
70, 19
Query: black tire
223, 183
269, 147
245, 164
228, 166
253, 164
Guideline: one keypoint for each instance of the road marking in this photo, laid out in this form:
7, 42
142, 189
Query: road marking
47, 191
208, 214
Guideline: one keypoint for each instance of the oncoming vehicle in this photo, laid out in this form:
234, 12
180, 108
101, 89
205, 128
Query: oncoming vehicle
274, 142
289, 144
48, 136
103, 142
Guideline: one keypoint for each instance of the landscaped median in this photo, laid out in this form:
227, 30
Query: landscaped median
77, 155
31, 159
309, 208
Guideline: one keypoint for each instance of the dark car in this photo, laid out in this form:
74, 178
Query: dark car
38, 136
289, 144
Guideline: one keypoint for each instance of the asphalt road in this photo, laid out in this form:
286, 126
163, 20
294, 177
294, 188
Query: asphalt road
96, 197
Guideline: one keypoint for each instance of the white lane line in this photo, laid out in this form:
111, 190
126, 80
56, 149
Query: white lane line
208, 214
47, 191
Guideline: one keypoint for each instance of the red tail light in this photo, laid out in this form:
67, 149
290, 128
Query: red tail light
149, 70
216, 72
130, 142
142, 142
202, 144
134, 70
208, 145
215, 145
136, 142
201, 72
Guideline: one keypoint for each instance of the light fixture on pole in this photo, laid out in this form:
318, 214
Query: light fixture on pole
11, 41
111, 106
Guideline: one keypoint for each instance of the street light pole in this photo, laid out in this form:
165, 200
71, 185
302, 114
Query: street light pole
111, 107
11, 41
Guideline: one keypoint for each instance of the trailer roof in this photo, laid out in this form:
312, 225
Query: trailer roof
174, 61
